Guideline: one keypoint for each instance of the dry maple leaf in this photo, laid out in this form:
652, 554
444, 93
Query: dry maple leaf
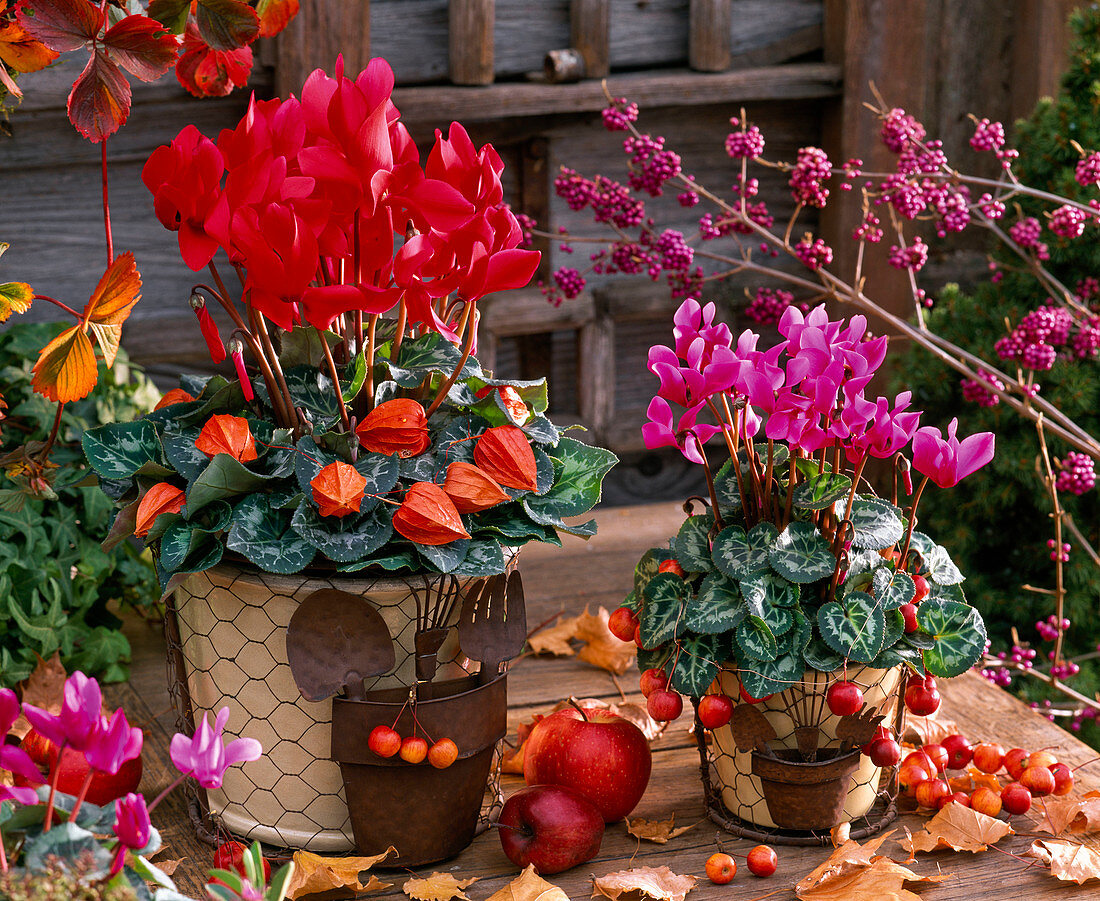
512, 760
1076, 815
854, 872
660, 884
972, 778
44, 688
958, 828
529, 886
1068, 861
314, 874
555, 639
659, 831
438, 887
601, 648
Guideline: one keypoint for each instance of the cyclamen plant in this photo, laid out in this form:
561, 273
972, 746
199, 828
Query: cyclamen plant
368, 436
790, 568
738, 235
107, 846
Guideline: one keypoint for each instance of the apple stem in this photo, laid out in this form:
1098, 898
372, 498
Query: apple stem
769, 894
573, 703
1086, 763
83, 794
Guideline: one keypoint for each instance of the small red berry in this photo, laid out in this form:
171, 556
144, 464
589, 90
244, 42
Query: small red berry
938, 755
762, 861
844, 698
909, 614
959, 751
1016, 798
443, 753
1063, 778
921, 700
651, 680
384, 741
715, 711
671, 566
414, 749
721, 868
884, 752
922, 588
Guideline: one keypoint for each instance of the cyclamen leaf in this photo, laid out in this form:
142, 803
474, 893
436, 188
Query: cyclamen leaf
142, 47
856, 629
692, 545
665, 596
754, 640
698, 662
717, 608
893, 588
227, 24
119, 449
769, 590
959, 634
766, 677
821, 490
646, 568
61, 25
739, 554
876, 523
801, 554
99, 102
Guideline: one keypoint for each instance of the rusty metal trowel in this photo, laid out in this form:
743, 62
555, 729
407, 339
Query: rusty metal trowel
492, 626
334, 641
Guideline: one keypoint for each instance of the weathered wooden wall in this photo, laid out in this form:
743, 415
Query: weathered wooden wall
801, 67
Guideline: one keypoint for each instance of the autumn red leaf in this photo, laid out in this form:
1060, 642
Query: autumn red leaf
161, 498
428, 516
206, 72
15, 297
505, 454
66, 369
471, 489
275, 15
397, 426
227, 24
61, 25
20, 51
338, 489
99, 102
175, 396
142, 47
227, 434
111, 302
172, 14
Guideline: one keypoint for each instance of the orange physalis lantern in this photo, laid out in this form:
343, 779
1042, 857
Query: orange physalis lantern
338, 489
511, 400
397, 426
471, 489
161, 498
227, 434
428, 516
503, 453
175, 396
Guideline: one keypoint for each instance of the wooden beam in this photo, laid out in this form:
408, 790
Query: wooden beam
1040, 41
470, 39
675, 87
322, 30
590, 27
710, 24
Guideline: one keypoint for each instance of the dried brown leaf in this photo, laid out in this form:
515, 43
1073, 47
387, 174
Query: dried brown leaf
337, 877
972, 778
45, 688
529, 886
958, 828
1078, 816
555, 639
637, 714
512, 761
1068, 861
438, 887
659, 831
168, 867
601, 648
840, 833
660, 884
854, 872
929, 729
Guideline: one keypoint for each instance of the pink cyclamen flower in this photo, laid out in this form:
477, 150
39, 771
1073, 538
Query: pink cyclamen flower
132, 821
206, 757
946, 462
687, 434
116, 742
78, 721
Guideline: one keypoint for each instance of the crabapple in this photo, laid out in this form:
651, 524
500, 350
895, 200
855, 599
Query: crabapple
959, 751
384, 741
664, 705
884, 752
985, 800
1063, 778
988, 757
930, 791
1038, 780
938, 755
1015, 762
651, 680
844, 698
1016, 798
622, 623
715, 711
721, 868
762, 861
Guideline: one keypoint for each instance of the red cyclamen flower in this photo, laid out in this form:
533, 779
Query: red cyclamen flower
209, 329
237, 351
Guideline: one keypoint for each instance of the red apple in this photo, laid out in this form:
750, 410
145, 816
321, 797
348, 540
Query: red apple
985, 800
988, 757
1016, 798
844, 698
1063, 779
715, 711
664, 705
550, 826
622, 623
959, 751
596, 753
884, 752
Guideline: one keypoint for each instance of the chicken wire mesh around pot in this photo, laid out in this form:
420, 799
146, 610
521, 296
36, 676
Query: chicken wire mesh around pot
226, 636
784, 770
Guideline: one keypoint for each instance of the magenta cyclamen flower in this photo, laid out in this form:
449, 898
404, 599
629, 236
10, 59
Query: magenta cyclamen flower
12, 758
946, 462
687, 434
204, 755
132, 822
115, 743
78, 721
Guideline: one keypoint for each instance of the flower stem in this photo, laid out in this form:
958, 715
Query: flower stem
164, 794
83, 794
368, 385
58, 303
106, 204
44, 456
55, 774
912, 521
336, 384
467, 349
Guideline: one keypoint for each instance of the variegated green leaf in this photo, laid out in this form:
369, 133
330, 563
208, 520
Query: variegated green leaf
821, 657
663, 611
698, 661
754, 640
801, 554
855, 629
692, 545
769, 590
941, 568
718, 607
647, 567
741, 554
767, 677
892, 588
877, 524
821, 490
959, 634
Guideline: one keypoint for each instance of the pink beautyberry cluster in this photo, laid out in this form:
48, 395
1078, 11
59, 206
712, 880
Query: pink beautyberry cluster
977, 392
1065, 670
1068, 222
998, 675
1058, 553
629, 258
768, 305
619, 115
912, 257
1035, 340
870, 229
688, 198
991, 209
1086, 342
899, 130
1077, 474
527, 224
675, 252
1087, 172
853, 168
569, 281
988, 136
1026, 233
651, 165
747, 144
1080, 716
709, 229
1049, 628
610, 201
810, 170
813, 254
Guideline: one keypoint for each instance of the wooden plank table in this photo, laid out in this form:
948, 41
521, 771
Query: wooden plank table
599, 573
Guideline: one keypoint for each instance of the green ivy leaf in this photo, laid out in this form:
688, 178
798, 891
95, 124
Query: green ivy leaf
692, 544
892, 588
959, 633
663, 611
877, 524
740, 554
754, 640
821, 490
801, 554
717, 608
698, 662
265, 536
856, 629
119, 449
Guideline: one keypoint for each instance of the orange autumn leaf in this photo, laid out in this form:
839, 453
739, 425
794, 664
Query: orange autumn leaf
660, 884
438, 887
15, 297
658, 831
471, 489
227, 434
44, 688
1078, 816
19, 51
428, 516
958, 828
161, 498
314, 874
529, 886
275, 15
1068, 861
338, 489
111, 302
601, 648
66, 369
505, 454
397, 426
175, 396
